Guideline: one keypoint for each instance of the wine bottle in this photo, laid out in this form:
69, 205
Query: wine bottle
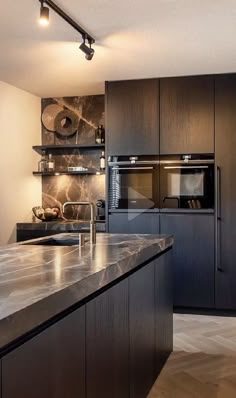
50, 164
42, 164
100, 135
102, 162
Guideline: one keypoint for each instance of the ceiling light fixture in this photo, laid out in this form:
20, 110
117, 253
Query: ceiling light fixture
44, 20
44, 15
87, 50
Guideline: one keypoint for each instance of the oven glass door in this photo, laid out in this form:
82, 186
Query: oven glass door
187, 186
133, 187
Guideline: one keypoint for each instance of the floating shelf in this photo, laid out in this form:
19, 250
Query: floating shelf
60, 149
60, 173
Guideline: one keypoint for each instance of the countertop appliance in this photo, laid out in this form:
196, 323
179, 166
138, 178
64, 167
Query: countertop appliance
100, 205
133, 182
187, 182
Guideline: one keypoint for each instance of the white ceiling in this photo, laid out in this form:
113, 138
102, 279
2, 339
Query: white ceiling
134, 39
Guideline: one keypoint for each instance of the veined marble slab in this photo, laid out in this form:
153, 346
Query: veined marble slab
39, 282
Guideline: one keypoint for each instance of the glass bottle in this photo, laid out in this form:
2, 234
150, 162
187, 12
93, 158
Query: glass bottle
100, 135
50, 164
102, 162
42, 164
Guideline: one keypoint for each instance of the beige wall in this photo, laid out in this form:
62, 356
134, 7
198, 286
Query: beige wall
19, 130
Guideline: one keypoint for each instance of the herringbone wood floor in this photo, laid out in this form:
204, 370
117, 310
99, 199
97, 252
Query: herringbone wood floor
203, 364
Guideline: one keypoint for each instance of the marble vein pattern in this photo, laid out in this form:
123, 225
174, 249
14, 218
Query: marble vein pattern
39, 282
64, 188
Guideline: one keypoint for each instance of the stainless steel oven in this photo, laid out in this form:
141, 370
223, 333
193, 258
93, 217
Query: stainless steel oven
133, 182
187, 182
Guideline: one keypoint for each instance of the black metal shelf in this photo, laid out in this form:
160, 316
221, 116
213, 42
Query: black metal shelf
58, 149
59, 173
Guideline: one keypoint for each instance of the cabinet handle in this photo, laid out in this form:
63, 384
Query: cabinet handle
218, 263
133, 168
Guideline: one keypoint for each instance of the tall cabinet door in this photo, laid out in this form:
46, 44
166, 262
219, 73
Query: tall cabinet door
193, 258
107, 337
132, 109
142, 331
187, 115
225, 128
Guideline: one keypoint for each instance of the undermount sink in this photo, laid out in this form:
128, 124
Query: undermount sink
56, 241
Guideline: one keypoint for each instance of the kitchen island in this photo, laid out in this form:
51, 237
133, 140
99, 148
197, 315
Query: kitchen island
90, 321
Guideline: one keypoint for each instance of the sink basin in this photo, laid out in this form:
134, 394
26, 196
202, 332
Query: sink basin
55, 242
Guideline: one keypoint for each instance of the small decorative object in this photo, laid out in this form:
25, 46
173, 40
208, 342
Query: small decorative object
102, 162
50, 164
49, 115
47, 214
100, 135
77, 168
66, 123
42, 164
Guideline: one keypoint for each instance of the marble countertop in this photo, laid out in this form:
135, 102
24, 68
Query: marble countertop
60, 225
39, 282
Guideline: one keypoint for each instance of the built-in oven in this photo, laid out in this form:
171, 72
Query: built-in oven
133, 183
187, 182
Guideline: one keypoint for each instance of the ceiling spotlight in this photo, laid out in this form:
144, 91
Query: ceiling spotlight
87, 50
44, 15
44, 21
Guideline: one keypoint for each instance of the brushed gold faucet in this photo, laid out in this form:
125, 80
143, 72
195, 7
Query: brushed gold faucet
92, 217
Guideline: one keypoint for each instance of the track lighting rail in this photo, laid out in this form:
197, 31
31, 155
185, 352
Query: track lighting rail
69, 20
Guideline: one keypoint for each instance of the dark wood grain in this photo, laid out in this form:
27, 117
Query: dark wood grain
225, 129
50, 365
132, 117
164, 309
187, 115
142, 331
193, 258
0, 378
134, 223
108, 344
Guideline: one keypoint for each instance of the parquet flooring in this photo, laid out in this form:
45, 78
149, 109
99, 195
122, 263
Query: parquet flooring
203, 364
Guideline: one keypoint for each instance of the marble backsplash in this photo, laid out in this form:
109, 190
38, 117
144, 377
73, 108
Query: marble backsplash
59, 189
90, 111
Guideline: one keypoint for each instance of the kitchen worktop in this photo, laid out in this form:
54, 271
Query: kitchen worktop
39, 282
60, 225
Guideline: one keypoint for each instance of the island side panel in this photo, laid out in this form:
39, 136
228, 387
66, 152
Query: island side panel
142, 330
164, 309
51, 364
107, 339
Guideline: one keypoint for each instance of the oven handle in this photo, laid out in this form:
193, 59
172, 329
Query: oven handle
138, 162
133, 168
218, 264
195, 161
185, 167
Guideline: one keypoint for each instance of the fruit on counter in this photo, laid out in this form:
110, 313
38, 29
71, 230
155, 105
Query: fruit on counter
49, 213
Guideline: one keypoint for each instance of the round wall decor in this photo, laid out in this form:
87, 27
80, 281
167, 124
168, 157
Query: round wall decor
66, 123
49, 114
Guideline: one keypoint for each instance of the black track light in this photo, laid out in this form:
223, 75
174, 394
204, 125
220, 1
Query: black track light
44, 15
87, 50
44, 21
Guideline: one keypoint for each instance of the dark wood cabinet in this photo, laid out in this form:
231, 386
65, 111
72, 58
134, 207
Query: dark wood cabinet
225, 129
50, 365
187, 115
132, 125
142, 331
163, 310
134, 223
0, 378
113, 346
193, 258
108, 344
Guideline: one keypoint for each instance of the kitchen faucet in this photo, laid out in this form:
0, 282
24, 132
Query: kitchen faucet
92, 217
